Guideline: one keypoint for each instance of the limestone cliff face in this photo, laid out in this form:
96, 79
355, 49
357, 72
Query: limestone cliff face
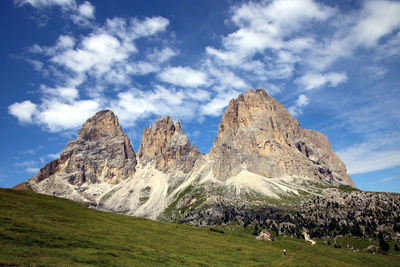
257, 141
102, 153
257, 134
166, 145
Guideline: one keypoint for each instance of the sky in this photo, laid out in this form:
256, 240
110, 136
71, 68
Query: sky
334, 65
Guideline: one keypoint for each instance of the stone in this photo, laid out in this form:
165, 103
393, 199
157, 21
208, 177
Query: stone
166, 145
257, 134
371, 249
265, 235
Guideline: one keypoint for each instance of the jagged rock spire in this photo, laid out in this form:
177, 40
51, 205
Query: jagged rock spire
166, 145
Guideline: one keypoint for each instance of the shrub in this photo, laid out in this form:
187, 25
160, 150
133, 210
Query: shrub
383, 245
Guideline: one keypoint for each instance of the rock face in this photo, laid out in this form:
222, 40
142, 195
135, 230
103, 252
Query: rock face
167, 146
258, 135
260, 153
102, 153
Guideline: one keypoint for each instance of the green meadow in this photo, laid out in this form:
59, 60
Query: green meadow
40, 230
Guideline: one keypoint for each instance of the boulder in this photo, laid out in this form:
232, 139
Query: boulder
265, 235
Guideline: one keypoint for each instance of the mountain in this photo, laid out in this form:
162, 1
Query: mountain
258, 135
262, 165
259, 149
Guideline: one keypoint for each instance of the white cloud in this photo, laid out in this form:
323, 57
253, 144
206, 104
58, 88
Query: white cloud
149, 26
63, 94
22, 110
216, 106
98, 52
383, 180
58, 116
266, 25
86, 10
301, 102
379, 18
163, 55
183, 76
135, 104
312, 81
79, 14
53, 156
45, 3
104, 58
372, 155
29, 166
365, 29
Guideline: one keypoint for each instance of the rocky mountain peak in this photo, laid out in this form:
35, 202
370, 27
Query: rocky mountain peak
257, 134
103, 123
102, 153
256, 111
166, 145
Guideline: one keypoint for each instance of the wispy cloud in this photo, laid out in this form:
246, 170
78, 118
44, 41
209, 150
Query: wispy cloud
383, 180
372, 155
29, 166
81, 15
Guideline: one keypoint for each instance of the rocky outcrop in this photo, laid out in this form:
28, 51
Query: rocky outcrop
258, 135
166, 145
102, 153
265, 235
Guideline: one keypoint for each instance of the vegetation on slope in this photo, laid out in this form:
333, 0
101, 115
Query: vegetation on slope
47, 231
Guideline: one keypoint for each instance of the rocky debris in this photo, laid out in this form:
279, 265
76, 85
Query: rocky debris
257, 134
167, 146
362, 214
187, 201
102, 153
265, 235
371, 249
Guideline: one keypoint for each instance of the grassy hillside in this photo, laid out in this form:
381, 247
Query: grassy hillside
42, 230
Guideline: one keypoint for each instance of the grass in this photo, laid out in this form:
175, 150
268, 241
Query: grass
40, 230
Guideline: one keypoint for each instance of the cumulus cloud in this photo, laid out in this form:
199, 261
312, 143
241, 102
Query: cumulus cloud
378, 19
23, 110
301, 102
103, 58
218, 103
266, 25
312, 81
135, 104
86, 10
58, 116
98, 52
183, 76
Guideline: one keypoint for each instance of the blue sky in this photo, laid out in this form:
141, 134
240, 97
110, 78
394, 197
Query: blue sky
333, 64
